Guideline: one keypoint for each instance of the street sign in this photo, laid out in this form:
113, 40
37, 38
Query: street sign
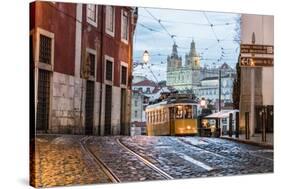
256, 62
256, 49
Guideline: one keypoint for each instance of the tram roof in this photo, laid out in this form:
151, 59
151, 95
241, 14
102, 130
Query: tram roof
173, 101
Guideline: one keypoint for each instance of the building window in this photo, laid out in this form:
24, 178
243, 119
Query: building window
110, 20
136, 114
123, 75
92, 64
45, 49
136, 103
148, 90
108, 74
140, 89
92, 14
125, 26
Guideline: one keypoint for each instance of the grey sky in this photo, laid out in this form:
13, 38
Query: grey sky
185, 25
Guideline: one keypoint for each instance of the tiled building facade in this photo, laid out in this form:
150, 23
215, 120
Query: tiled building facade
82, 56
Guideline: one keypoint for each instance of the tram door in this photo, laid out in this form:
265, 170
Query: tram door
172, 121
108, 106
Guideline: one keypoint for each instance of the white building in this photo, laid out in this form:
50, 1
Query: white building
209, 88
186, 76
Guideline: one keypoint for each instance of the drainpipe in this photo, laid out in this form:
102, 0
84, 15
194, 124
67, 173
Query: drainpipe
101, 63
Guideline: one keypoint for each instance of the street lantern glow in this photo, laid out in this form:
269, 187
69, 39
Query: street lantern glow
145, 57
203, 102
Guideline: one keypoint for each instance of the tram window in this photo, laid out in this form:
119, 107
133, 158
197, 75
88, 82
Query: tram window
171, 113
179, 112
156, 116
188, 114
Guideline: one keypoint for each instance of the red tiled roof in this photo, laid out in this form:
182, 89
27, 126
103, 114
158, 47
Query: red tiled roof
145, 83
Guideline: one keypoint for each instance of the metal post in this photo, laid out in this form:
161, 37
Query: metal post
219, 90
218, 131
252, 105
247, 125
263, 124
230, 124
200, 126
237, 124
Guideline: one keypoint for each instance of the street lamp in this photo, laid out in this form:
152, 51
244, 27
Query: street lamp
203, 103
145, 57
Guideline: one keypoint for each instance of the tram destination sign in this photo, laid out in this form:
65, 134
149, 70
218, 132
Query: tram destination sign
256, 49
256, 62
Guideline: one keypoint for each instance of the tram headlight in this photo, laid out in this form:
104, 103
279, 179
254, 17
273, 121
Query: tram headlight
188, 127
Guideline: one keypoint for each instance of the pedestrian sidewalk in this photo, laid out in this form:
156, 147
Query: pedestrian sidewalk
254, 140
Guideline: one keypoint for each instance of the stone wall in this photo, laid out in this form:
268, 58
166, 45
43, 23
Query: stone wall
115, 114
66, 114
245, 92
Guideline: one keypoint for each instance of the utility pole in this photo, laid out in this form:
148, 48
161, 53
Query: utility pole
219, 89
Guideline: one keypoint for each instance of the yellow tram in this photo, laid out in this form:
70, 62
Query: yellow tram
173, 116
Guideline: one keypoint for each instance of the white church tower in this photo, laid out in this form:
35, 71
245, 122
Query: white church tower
187, 76
192, 62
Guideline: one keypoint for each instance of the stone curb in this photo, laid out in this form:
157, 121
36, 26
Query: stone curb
264, 145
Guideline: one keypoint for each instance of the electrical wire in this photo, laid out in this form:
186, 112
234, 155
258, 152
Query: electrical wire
159, 21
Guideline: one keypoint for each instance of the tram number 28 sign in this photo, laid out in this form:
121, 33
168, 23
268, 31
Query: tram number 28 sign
256, 62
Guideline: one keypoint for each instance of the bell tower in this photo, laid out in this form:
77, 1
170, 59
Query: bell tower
192, 61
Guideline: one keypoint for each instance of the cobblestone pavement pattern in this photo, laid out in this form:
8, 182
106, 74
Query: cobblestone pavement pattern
61, 161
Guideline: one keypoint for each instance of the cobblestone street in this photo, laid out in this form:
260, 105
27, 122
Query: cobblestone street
60, 160
66, 160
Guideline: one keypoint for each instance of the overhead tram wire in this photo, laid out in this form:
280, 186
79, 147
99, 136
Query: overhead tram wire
217, 38
159, 21
192, 23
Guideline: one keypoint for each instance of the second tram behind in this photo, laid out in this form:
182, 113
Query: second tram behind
176, 116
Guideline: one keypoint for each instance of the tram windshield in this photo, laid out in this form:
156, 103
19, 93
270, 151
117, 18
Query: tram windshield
184, 112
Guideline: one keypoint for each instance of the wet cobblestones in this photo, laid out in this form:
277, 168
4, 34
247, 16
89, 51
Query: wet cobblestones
126, 166
60, 160
226, 158
252, 158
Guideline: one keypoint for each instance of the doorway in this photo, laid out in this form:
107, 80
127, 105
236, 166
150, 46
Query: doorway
108, 107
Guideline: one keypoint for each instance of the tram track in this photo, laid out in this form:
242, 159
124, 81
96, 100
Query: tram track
203, 149
184, 142
145, 161
107, 171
